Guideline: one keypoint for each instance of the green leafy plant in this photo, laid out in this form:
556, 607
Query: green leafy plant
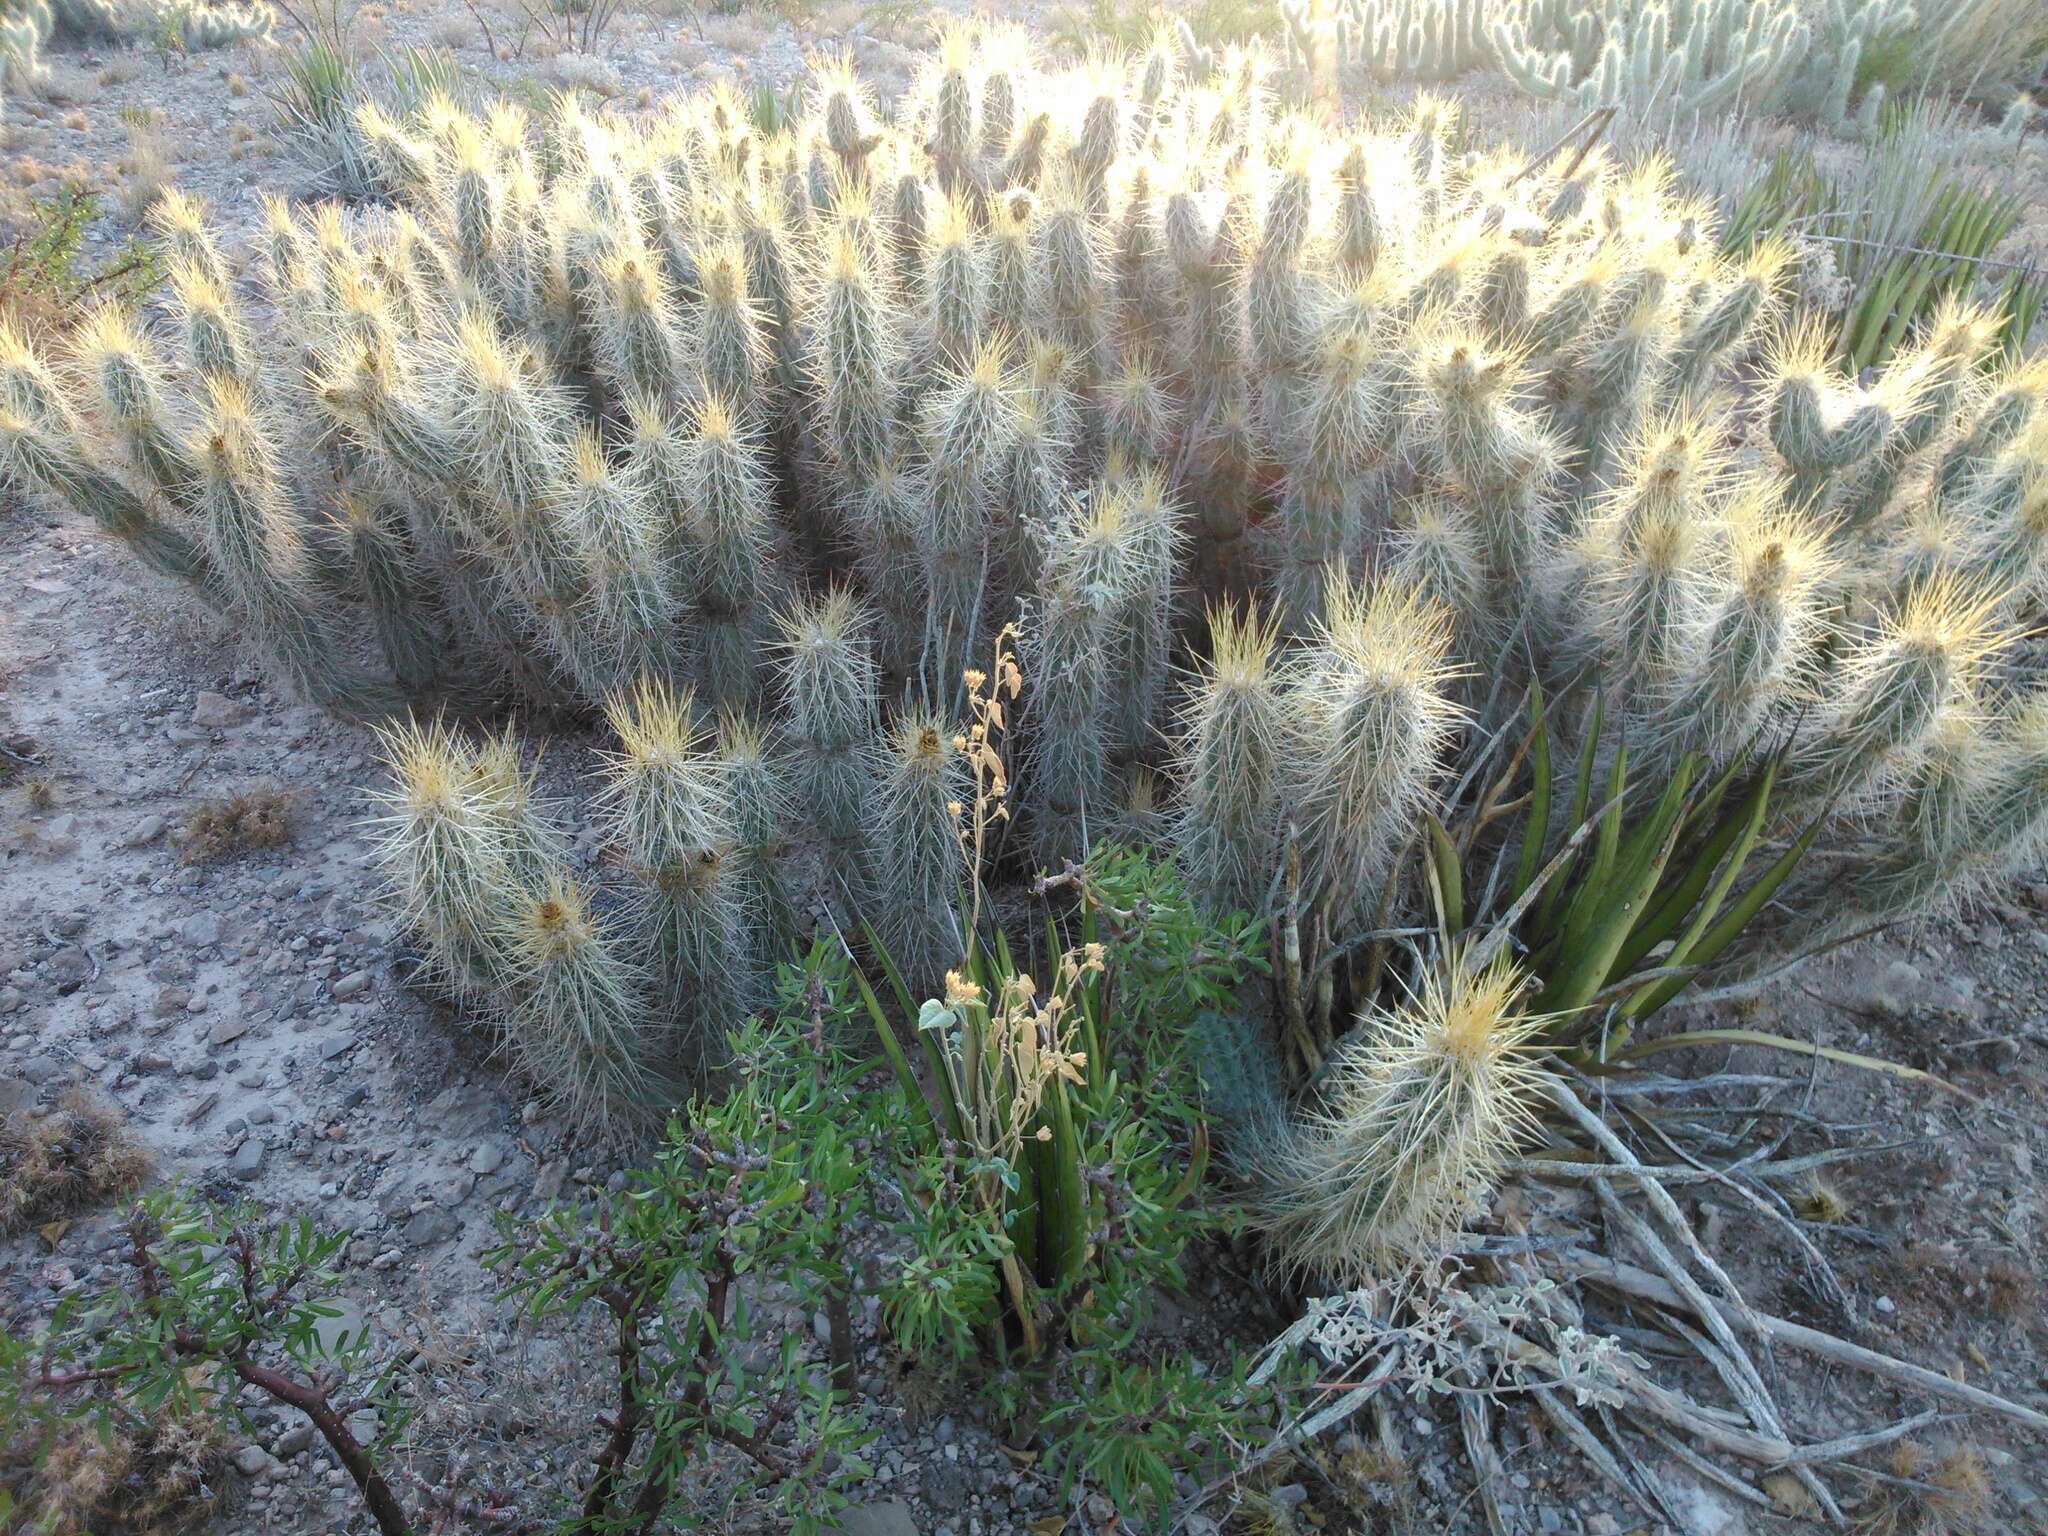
215, 1302
760, 1180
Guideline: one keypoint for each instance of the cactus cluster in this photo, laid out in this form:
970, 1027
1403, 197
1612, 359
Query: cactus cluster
27, 27
1432, 41
1676, 62
757, 443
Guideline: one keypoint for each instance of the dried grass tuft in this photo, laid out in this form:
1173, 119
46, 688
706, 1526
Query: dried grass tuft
249, 819
53, 1165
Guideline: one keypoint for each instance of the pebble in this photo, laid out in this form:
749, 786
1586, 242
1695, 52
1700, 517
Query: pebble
248, 1159
354, 984
216, 711
891, 1517
252, 1461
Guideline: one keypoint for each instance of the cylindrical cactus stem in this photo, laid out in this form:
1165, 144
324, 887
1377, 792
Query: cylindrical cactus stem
637, 345
854, 363
216, 336
1921, 659
732, 354
577, 1021
889, 516
2014, 402
758, 793
624, 617
179, 220
1466, 429
40, 449
924, 785
1818, 422
1276, 292
387, 571
1142, 622
1929, 385
2004, 534
952, 112
1368, 715
260, 555
1419, 1107
1652, 539
731, 493
1342, 431
909, 199
846, 115
970, 423
1140, 415
670, 812
658, 465
1433, 549
1750, 296
953, 286
1752, 648
1142, 299
2009, 821
1008, 241
1094, 567
1359, 235
1949, 779
440, 840
1070, 293
1230, 745
128, 384
832, 711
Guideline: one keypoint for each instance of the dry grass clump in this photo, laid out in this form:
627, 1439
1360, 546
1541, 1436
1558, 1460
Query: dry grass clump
259, 817
1929, 1495
52, 1165
153, 1477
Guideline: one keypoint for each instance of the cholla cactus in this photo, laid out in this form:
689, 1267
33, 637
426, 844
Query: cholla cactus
1428, 40
1678, 63
1084, 351
1418, 1108
670, 812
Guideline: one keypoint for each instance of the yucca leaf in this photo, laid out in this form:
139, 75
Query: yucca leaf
1676, 900
885, 1032
1582, 795
1536, 825
1449, 879
1723, 933
1757, 1037
1586, 957
941, 1081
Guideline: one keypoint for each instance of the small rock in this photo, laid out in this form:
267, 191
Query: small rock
489, 1157
429, 1227
248, 1159
891, 1517
216, 711
354, 984
252, 1461
292, 1441
201, 929
146, 831
335, 1045
226, 1031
